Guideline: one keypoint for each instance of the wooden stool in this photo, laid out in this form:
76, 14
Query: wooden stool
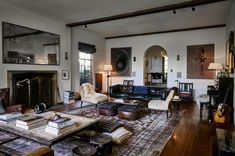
203, 100
176, 101
103, 144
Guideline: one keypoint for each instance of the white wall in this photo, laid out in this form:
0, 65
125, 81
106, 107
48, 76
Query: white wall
24, 18
230, 26
82, 35
175, 44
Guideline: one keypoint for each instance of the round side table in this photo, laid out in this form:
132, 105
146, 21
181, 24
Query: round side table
103, 144
84, 150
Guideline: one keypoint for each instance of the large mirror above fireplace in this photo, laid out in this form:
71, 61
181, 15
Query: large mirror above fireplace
22, 45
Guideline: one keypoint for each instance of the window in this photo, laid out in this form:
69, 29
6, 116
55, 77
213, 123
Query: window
86, 65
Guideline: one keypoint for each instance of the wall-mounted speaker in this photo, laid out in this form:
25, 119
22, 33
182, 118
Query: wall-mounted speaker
121, 61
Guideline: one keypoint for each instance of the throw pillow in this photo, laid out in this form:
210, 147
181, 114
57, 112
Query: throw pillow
119, 135
2, 110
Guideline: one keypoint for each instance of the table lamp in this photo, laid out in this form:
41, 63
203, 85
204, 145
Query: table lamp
215, 66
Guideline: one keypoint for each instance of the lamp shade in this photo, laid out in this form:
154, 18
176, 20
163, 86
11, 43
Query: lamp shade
216, 66
108, 67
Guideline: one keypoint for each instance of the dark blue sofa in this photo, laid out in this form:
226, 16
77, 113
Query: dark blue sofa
137, 92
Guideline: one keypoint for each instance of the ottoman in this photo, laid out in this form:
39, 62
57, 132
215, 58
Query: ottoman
129, 112
109, 109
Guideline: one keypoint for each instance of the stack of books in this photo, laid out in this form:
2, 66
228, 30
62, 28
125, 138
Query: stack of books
9, 116
30, 121
60, 125
69, 97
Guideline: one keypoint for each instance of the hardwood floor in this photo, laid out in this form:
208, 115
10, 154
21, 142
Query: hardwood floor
192, 136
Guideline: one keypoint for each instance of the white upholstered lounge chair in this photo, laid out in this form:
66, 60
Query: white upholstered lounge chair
88, 94
163, 105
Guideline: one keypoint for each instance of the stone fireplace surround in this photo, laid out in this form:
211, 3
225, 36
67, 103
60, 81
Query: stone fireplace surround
43, 87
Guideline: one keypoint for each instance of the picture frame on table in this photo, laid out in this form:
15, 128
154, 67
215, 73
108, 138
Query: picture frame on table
65, 74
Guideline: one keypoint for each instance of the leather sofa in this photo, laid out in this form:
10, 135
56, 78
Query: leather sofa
137, 92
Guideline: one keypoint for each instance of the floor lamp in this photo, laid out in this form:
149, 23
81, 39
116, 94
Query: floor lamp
215, 66
108, 68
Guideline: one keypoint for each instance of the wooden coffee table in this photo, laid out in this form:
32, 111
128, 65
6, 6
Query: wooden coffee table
45, 138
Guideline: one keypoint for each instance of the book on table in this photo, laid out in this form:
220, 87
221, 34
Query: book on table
32, 125
57, 131
61, 122
10, 116
29, 119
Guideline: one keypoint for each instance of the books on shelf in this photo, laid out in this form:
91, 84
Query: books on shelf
57, 131
29, 119
32, 125
10, 116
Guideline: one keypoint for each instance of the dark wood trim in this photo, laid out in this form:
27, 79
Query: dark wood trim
192, 3
167, 31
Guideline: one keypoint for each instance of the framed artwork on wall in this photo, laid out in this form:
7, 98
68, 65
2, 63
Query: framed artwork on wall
198, 59
65, 74
121, 61
230, 53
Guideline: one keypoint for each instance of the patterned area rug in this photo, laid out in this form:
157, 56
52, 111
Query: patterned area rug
150, 134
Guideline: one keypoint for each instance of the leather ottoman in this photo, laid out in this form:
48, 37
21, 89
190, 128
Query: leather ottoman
129, 112
109, 109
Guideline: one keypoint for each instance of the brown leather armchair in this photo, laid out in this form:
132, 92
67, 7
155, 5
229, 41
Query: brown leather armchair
4, 103
41, 151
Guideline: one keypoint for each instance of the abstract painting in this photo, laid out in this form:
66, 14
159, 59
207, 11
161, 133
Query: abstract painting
121, 61
198, 59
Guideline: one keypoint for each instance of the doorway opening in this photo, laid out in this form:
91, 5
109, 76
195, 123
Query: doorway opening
155, 66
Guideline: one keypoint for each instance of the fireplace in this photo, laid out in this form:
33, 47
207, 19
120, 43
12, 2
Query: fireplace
33, 87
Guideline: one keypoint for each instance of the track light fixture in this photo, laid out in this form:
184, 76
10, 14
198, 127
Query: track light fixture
193, 8
85, 26
174, 12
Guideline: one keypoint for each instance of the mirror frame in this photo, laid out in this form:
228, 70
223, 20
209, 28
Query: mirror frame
16, 53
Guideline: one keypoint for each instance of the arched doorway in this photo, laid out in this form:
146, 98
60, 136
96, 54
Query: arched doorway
155, 66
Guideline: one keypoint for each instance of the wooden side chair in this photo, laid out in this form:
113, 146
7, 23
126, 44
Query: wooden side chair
127, 86
186, 91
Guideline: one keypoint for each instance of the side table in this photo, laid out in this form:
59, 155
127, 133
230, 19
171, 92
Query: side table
84, 150
103, 144
225, 142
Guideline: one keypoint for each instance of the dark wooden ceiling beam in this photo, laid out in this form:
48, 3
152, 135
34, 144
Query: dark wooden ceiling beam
23, 34
192, 3
167, 31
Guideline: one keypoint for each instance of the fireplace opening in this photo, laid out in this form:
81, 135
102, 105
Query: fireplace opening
33, 87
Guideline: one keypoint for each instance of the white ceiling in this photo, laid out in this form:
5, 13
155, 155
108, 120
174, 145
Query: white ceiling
69, 11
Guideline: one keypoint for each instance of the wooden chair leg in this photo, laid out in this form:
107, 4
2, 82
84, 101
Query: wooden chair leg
81, 103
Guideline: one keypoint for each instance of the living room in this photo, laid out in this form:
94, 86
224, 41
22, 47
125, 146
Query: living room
175, 44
